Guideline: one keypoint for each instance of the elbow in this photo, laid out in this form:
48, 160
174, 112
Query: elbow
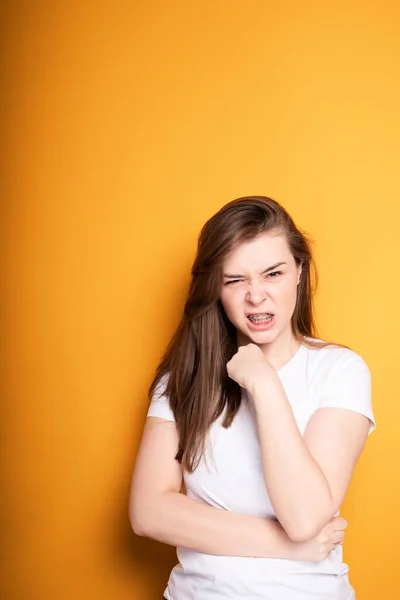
300, 534
138, 528
303, 531
307, 525
139, 521
137, 525
147, 515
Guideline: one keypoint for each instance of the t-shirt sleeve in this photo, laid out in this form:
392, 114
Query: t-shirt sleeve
349, 386
159, 403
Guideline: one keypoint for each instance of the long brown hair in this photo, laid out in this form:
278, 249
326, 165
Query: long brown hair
194, 364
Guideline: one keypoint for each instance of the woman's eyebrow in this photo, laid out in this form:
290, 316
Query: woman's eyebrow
263, 273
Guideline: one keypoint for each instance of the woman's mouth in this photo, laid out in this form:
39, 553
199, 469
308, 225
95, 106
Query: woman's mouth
260, 320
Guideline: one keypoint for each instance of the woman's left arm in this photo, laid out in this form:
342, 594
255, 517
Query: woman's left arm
306, 477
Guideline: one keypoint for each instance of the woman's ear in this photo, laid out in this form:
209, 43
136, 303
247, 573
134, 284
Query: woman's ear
299, 276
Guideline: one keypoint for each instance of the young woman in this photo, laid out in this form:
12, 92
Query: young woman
257, 420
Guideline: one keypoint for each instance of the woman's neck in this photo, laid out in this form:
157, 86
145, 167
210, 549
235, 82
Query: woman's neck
277, 352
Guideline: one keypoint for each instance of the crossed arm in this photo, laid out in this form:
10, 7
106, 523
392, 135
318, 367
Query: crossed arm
306, 477
158, 509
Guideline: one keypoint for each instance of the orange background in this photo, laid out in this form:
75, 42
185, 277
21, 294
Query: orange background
125, 125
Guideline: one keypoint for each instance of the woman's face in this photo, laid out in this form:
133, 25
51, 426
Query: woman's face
259, 288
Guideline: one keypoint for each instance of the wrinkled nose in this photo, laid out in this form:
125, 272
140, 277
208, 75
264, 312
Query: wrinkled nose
256, 294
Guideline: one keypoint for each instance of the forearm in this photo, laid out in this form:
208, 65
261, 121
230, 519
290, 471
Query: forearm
296, 485
181, 521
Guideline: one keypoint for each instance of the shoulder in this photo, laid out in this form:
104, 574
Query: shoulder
159, 402
330, 363
161, 387
340, 378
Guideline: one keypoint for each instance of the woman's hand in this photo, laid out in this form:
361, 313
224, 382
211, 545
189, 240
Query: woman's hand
249, 366
319, 547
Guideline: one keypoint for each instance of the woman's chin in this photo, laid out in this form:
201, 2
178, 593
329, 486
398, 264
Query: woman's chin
256, 337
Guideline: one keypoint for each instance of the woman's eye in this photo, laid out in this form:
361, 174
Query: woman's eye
233, 281
272, 275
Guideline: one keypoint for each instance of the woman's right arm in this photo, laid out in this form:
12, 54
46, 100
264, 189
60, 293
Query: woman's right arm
158, 510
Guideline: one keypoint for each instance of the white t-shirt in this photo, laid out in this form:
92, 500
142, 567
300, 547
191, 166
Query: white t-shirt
233, 480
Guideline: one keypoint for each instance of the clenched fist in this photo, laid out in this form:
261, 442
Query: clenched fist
249, 367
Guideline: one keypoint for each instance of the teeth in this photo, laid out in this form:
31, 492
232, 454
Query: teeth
258, 318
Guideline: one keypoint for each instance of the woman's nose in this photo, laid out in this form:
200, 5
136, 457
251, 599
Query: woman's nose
256, 293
